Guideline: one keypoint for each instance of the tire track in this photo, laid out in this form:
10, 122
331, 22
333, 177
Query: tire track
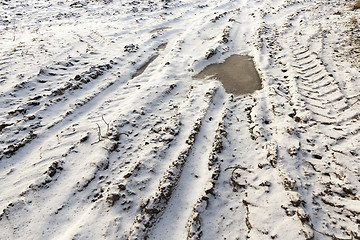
37, 112
194, 176
193, 226
89, 184
319, 104
155, 206
323, 96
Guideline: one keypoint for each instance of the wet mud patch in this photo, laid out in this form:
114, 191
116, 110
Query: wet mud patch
140, 70
161, 47
237, 74
159, 29
143, 67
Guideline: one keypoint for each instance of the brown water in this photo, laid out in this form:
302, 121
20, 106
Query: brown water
143, 67
161, 47
237, 74
159, 29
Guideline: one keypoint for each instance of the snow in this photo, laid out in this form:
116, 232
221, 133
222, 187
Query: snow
105, 133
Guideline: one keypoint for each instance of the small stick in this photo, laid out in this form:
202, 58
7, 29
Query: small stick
287, 98
99, 132
108, 125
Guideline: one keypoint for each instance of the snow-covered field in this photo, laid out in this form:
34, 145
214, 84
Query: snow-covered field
104, 133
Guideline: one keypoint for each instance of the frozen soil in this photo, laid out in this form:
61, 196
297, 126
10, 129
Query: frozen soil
105, 134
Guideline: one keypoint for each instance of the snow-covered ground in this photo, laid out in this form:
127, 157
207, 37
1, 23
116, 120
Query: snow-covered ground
104, 133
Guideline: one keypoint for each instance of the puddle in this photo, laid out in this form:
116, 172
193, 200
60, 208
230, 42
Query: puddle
143, 67
237, 74
161, 47
156, 30
138, 72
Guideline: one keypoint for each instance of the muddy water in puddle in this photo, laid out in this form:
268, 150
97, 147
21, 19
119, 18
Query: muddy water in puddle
138, 72
159, 29
143, 67
237, 74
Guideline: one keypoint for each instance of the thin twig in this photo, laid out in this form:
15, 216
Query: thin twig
287, 98
99, 132
107, 131
107, 124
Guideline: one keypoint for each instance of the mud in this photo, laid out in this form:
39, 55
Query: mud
159, 29
143, 67
237, 74
161, 47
